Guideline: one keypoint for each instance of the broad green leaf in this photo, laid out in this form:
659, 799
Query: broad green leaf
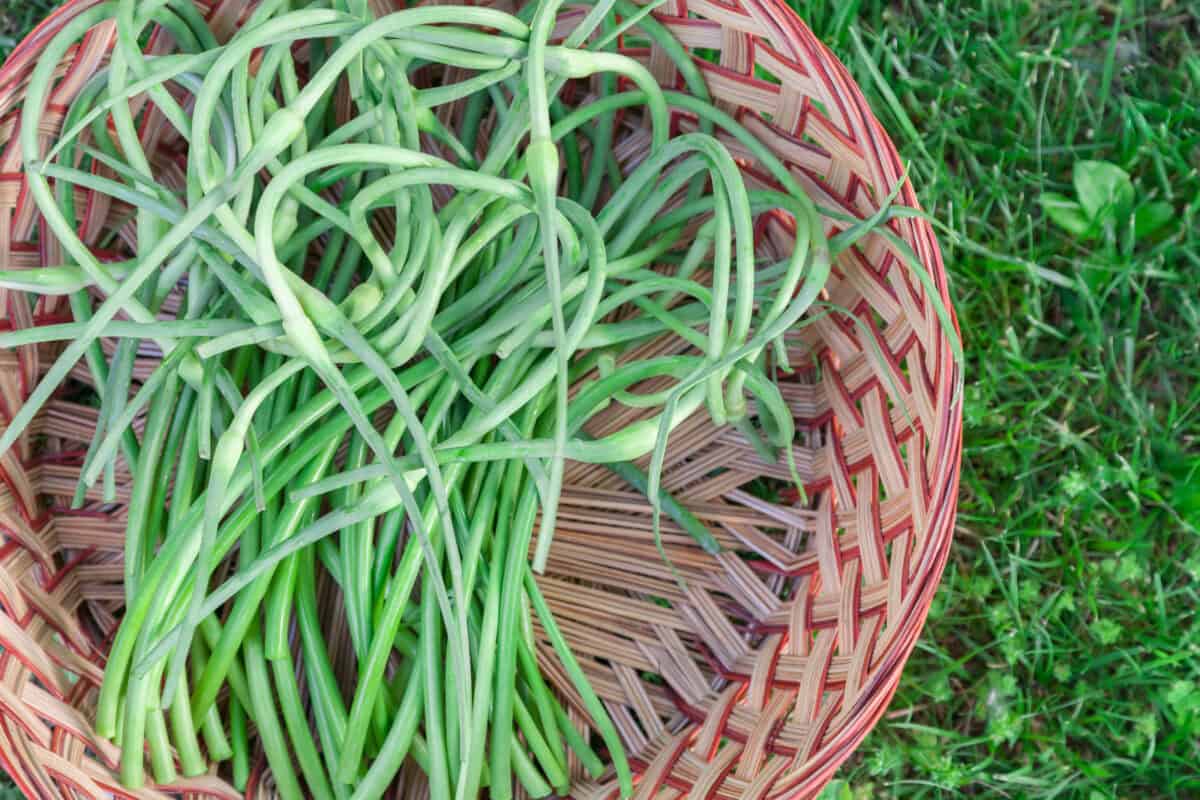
836, 789
1183, 696
1151, 218
1104, 190
1065, 213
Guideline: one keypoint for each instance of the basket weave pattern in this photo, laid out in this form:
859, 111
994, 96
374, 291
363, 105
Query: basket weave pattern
757, 674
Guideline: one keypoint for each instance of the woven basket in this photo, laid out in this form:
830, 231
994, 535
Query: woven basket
756, 680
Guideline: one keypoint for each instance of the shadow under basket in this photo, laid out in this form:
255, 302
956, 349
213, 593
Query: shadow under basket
753, 677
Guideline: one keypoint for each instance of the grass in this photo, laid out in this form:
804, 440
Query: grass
1062, 655
18, 17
